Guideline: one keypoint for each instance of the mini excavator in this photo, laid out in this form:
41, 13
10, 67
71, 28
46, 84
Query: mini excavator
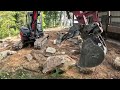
93, 48
32, 33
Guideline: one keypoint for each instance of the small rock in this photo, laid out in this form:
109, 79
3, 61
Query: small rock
50, 50
75, 52
5, 45
37, 55
59, 53
54, 42
116, 63
29, 57
3, 54
86, 70
11, 52
64, 62
62, 52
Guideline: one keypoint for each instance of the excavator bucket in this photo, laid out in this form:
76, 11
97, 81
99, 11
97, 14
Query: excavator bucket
91, 54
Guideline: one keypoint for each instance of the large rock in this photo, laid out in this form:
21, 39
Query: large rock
116, 63
63, 62
50, 50
38, 56
32, 66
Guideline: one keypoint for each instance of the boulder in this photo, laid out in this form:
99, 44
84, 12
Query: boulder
32, 66
39, 57
64, 62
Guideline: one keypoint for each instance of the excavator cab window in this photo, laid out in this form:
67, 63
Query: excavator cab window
29, 19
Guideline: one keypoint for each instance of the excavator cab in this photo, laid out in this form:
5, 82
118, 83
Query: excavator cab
29, 18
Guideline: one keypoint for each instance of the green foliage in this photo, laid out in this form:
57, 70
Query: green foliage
11, 21
52, 18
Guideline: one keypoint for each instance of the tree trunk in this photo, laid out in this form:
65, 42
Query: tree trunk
9, 31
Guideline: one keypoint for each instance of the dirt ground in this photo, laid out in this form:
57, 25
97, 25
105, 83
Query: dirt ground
103, 71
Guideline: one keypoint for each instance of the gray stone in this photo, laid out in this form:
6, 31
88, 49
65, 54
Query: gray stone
38, 56
3, 54
50, 50
54, 42
75, 51
29, 57
5, 45
116, 63
63, 62
32, 66
11, 52
63, 53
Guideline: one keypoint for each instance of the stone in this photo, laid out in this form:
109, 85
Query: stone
63, 53
3, 54
39, 57
116, 63
29, 57
50, 50
75, 51
32, 66
64, 62
11, 52
54, 42
5, 45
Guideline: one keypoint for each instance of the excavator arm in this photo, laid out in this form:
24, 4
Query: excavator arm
93, 48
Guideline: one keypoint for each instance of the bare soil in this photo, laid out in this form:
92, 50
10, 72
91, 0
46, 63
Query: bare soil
103, 71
